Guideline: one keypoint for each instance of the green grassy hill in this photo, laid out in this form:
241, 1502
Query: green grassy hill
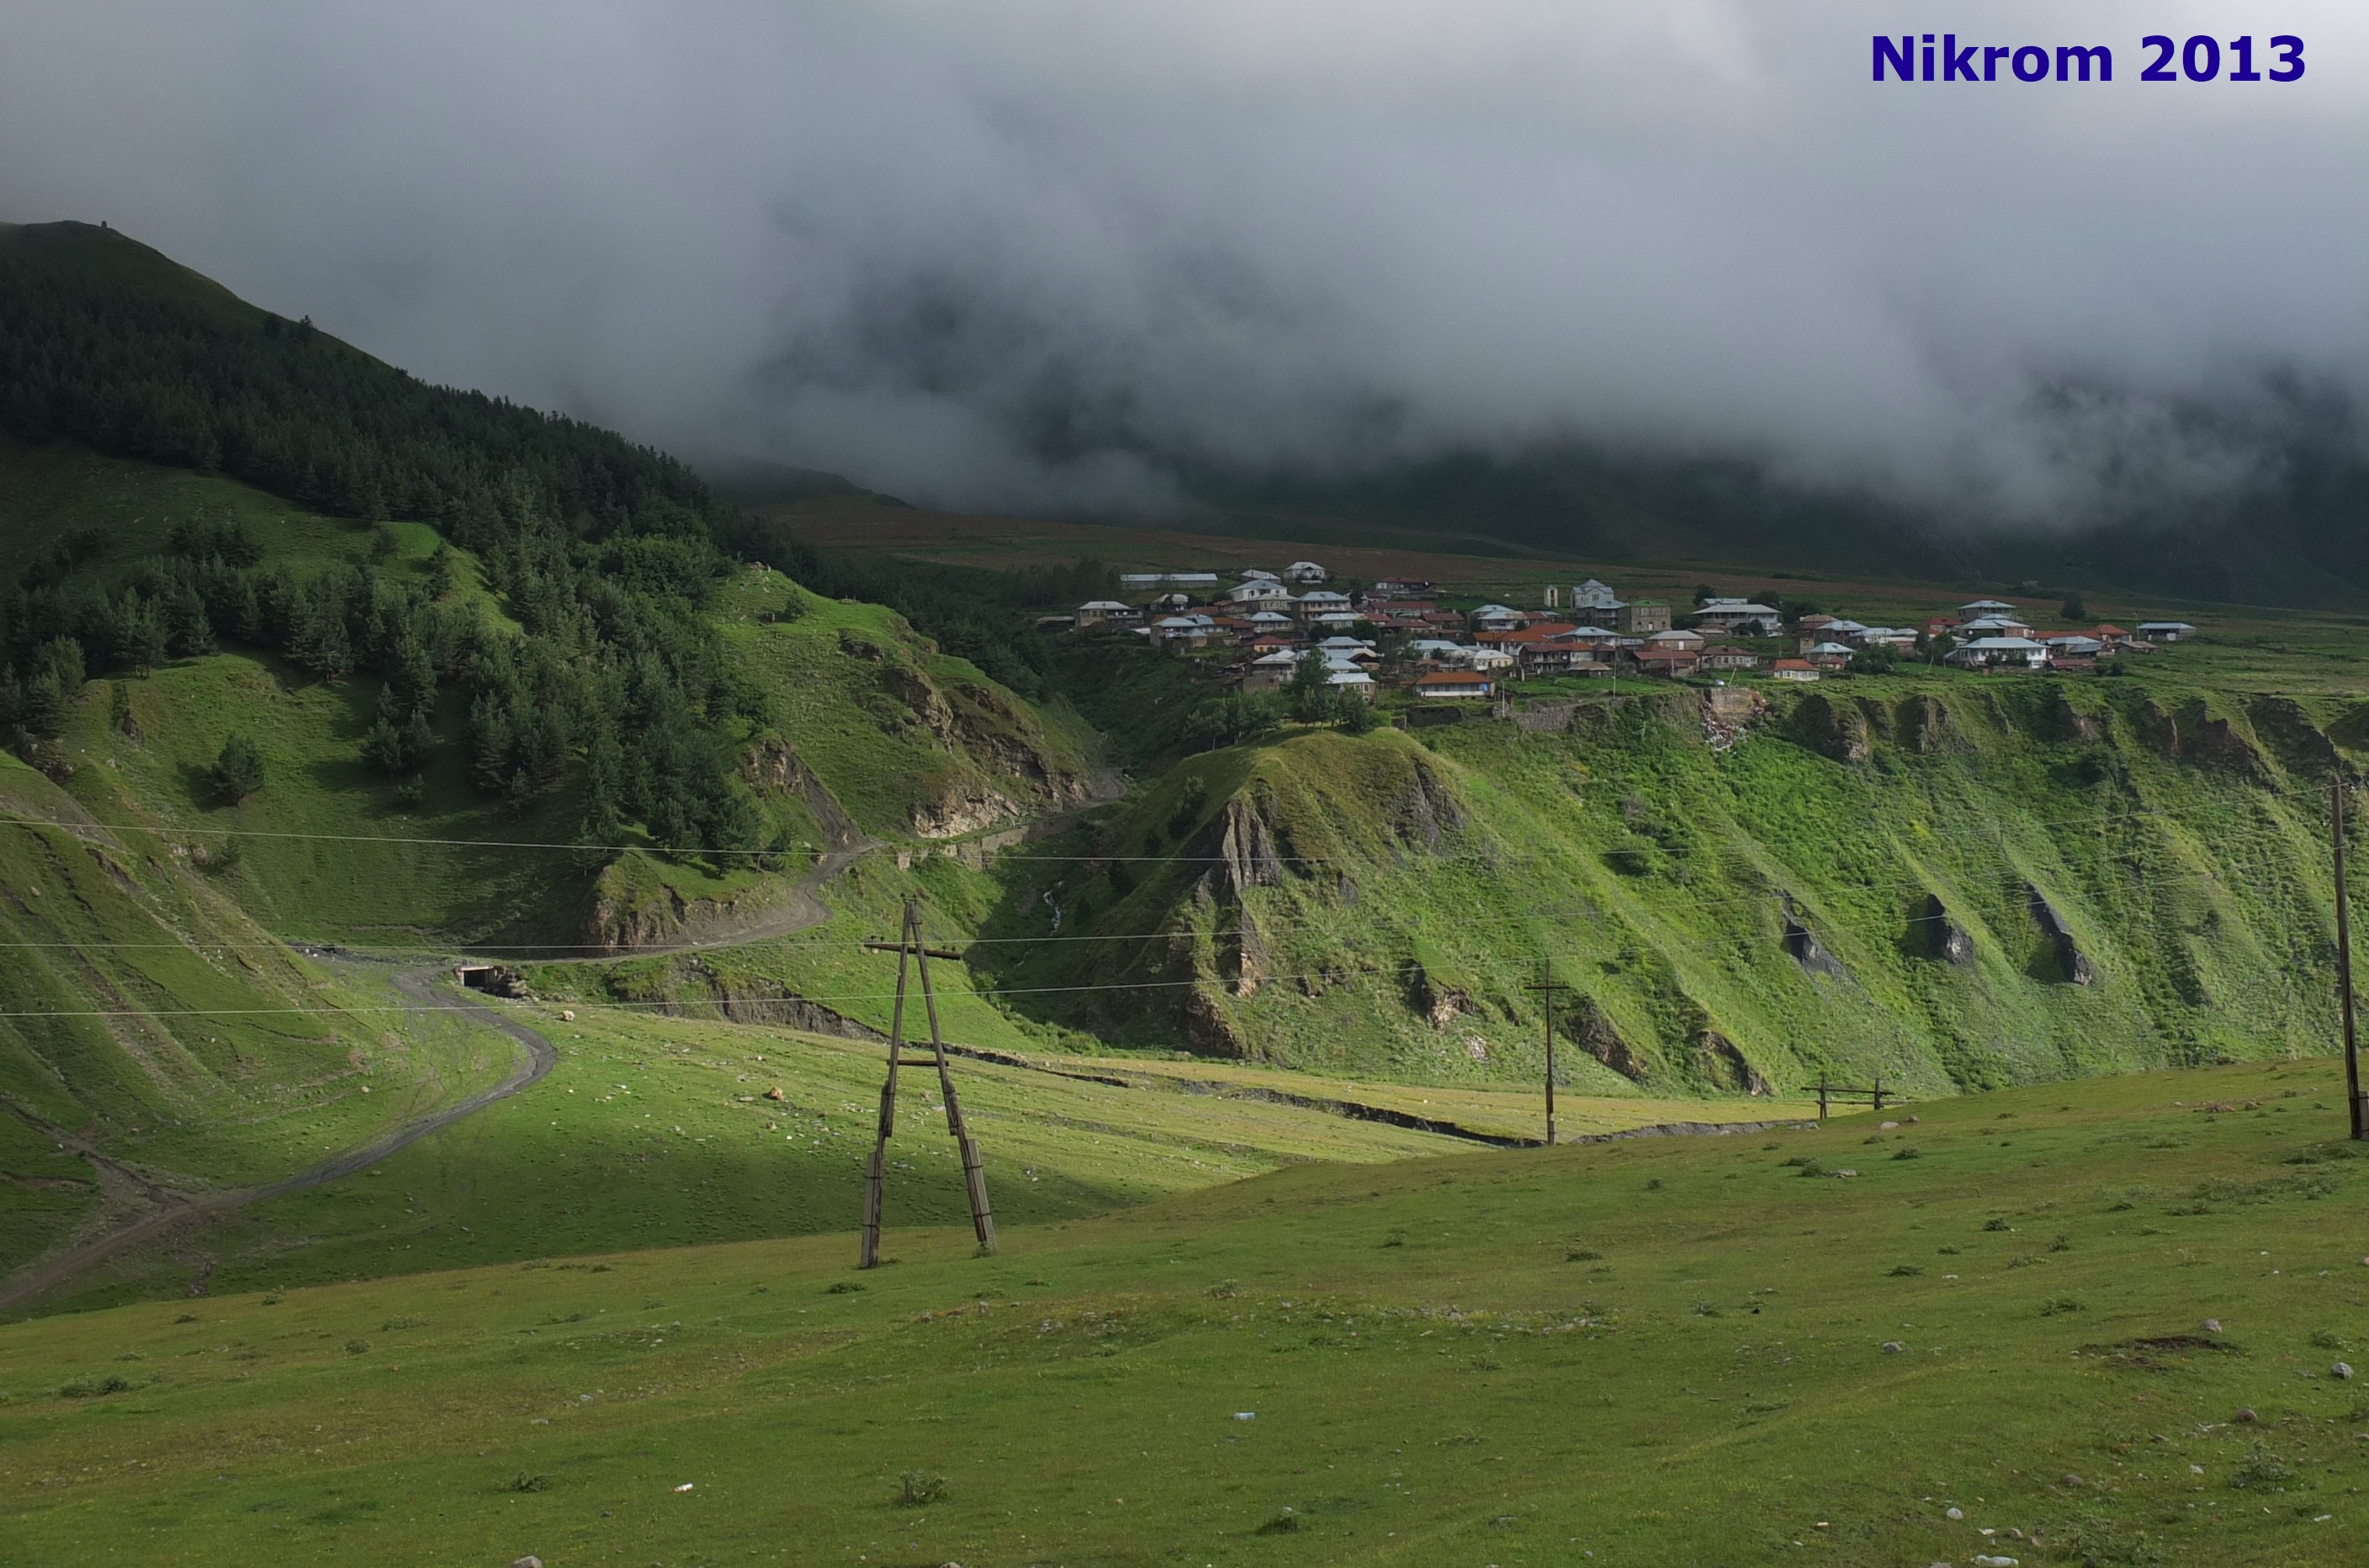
2090, 1323
1963, 886
156, 1045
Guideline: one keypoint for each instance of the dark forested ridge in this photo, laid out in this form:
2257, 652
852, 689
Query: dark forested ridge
110, 343
599, 549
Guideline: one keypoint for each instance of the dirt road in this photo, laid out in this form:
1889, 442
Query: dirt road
176, 1208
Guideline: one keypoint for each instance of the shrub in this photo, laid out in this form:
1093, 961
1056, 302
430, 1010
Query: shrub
1285, 1522
94, 1388
238, 771
2262, 1471
525, 1482
918, 1488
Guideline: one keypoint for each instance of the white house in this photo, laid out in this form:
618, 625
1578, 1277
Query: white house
1471, 685
1304, 572
1992, 653
1595, 595
1351, 680
1739, 616
1098, 612
1498, 618
1981, 607
1319, 601
1253, 574
1269, 595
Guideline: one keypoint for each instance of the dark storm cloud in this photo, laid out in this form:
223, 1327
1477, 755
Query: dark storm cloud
1031, 254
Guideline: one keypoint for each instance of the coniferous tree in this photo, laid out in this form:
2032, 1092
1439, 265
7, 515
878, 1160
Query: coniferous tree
238, 771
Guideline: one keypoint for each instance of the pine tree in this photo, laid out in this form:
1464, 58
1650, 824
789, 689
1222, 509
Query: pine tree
238, 771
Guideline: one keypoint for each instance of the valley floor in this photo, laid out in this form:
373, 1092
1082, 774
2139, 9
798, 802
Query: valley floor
1801, 1346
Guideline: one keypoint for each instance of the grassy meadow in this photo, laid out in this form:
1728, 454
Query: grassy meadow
657, 1131
1808, 1345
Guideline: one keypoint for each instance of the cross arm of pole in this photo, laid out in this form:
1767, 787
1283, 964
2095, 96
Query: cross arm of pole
907, 947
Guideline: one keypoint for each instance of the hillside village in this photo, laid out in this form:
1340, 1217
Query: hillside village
1405, 636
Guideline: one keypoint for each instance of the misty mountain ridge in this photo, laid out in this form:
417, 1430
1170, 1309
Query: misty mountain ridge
2256, 494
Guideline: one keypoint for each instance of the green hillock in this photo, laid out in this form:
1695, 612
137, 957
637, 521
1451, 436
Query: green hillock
2011, 881
146, 1019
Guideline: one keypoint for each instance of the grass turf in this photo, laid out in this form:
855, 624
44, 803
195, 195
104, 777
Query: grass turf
1664, 1352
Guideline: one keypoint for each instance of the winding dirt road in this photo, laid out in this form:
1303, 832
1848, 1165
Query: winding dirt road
176, 1208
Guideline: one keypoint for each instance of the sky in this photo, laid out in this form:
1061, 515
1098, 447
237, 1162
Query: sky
1037, 254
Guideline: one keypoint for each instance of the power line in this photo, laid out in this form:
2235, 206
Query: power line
591, 1005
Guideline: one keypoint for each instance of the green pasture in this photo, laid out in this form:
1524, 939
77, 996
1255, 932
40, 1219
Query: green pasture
1810, 1346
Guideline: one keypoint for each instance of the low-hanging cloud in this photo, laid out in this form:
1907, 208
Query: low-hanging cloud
1040, 254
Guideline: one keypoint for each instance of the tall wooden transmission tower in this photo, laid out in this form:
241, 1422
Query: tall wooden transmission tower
911, 951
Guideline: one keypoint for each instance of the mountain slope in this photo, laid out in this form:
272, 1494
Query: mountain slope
2017, 880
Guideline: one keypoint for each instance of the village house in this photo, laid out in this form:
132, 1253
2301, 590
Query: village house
1998, 653
1665, 662
1828, 655
1723, 656
1106, 612
1183, 631
1403, 587
1677, 640
2112, 636
1271, 671
2166, 631
1304, 572
1498, 618
1351, 680
1737, 615
1319, 601
1642, 617
1254, 574
1976, 609
1491, 660
1793, 669
1456, 684
1595, 595
1903, 638
1264, 593
1349, 647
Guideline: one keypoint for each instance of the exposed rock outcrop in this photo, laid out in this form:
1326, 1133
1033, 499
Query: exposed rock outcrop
1925, 726
1440, 1005
1725, 1063
2074, 964
1804, 945
1832, 727
1944, 938
1596, 1035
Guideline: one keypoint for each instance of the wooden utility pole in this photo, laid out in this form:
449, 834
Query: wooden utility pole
1549, 985
910, 948
2344, 958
